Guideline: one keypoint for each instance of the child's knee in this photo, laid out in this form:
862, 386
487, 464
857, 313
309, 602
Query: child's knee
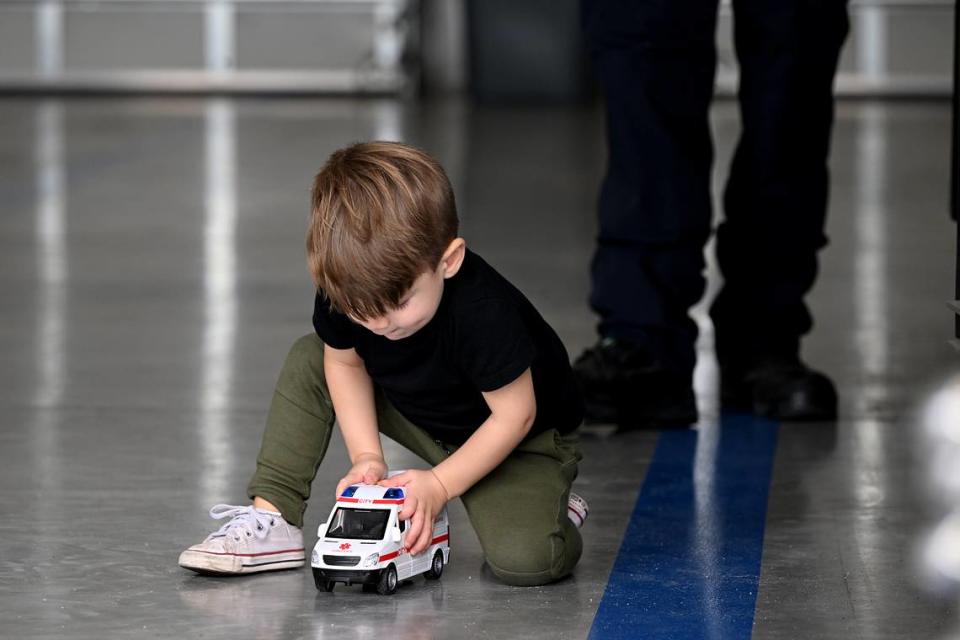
534, 562
308, 348
304, 363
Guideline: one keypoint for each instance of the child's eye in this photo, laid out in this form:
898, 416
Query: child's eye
403, 304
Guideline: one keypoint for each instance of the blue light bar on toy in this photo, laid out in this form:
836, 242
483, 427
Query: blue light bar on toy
349, 491
393, 494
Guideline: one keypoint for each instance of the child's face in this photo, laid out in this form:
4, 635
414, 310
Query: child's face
417, 307
419, 304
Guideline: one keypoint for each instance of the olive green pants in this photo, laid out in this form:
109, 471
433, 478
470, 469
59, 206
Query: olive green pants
519, 510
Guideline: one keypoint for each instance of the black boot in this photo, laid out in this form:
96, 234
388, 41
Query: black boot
625, 385
779, 388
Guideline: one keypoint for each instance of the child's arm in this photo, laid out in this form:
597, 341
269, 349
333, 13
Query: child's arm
513, 408
351, 391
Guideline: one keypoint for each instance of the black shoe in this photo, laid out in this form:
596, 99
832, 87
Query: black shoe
623, 384
779, 388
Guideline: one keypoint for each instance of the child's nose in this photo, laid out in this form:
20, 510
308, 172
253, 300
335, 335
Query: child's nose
378, 324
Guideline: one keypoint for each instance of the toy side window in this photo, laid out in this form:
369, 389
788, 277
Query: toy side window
403, 524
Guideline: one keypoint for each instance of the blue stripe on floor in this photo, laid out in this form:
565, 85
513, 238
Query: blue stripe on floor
689, 564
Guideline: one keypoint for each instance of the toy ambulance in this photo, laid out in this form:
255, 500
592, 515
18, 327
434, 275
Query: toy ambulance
363, 542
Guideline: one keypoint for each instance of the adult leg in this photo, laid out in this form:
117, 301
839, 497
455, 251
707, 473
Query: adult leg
776, 196
656, 64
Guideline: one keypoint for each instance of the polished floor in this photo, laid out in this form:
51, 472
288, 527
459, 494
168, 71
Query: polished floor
152, 278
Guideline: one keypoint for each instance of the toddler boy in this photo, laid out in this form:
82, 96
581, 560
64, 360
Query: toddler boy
419, 339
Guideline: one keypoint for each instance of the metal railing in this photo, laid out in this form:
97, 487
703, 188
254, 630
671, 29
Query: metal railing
383, 63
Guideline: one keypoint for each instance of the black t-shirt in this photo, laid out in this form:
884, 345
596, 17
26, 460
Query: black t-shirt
484, 335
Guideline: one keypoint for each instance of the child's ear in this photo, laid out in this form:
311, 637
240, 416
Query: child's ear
453, 257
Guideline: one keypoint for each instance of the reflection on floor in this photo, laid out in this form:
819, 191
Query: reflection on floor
152, 278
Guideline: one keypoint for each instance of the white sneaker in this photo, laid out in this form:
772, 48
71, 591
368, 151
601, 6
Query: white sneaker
577, 510
254, 540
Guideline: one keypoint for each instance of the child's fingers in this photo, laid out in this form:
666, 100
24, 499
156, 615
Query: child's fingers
409, 509
345, 482
424, 535
413, 534
398, 480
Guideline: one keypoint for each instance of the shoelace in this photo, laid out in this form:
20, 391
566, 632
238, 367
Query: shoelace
253, 522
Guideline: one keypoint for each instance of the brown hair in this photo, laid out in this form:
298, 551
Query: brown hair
382, 214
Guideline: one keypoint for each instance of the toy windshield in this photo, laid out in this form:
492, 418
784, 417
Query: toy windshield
359, 524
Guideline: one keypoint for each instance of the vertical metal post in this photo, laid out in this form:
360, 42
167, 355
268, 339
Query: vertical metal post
48, 38
389, 34
955, 159
218, 43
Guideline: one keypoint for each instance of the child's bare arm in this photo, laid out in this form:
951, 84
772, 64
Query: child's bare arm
351, 391
513, 408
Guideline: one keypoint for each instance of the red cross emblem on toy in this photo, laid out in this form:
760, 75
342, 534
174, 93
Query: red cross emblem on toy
344, 546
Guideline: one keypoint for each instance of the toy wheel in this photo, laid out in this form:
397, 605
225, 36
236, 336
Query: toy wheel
328, 585
319, 580
388, 581
436, 567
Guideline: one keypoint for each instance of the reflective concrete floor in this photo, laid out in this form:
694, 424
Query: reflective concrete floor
152, 278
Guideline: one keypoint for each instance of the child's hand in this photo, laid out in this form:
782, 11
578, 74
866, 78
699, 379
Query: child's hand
425, 498
368, 469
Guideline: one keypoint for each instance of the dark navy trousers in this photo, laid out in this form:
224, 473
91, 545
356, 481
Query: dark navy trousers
656, 61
